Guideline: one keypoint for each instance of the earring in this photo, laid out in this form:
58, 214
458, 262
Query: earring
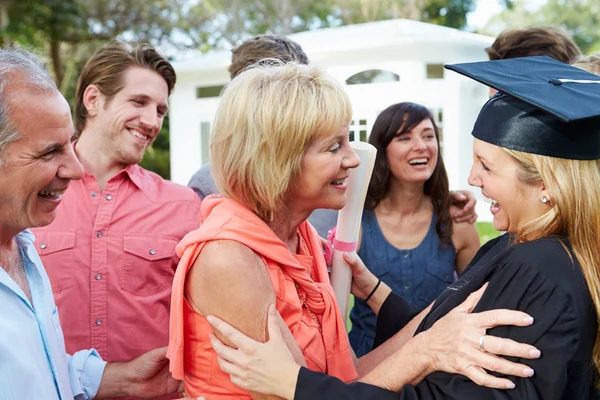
544, 199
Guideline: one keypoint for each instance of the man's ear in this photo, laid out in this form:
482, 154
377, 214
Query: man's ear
92, 100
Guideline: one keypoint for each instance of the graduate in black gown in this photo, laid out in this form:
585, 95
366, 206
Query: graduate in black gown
537, 157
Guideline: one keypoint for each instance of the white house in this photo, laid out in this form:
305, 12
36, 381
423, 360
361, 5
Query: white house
382, 63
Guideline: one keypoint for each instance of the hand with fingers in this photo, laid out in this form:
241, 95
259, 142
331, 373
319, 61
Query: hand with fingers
268, 368
458, 344
465, 201
365, 285
363, 280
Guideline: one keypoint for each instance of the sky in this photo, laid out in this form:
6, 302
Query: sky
485, 9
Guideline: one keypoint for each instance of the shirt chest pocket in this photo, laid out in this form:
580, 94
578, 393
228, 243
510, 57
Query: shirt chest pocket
148, 264
439, 274
56, 249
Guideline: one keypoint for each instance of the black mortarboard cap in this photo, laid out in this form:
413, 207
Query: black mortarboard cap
543, 107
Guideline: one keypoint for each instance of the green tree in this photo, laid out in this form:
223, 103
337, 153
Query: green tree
580, 18
60, 27
69, 31
451, 13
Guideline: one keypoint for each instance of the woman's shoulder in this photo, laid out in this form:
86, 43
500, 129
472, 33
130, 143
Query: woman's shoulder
550, 254
226, 270
218, 256
548, 264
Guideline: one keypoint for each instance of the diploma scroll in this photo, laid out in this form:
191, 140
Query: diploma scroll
348, 223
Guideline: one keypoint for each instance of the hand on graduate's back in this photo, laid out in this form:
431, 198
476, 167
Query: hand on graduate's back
453, 343
465, 201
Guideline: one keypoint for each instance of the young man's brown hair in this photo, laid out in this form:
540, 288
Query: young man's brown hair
537, 41
265, 46
106, 67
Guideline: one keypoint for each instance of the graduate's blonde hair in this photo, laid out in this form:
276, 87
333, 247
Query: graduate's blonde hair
589, 63
267, 117
574, 188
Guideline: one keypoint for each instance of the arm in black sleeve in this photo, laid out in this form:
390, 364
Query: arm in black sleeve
315, 385
554, 332
394, 314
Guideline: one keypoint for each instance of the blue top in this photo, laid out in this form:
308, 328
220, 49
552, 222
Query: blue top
419, 275
33, 362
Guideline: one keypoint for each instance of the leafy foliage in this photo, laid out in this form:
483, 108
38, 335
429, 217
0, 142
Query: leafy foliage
580, 18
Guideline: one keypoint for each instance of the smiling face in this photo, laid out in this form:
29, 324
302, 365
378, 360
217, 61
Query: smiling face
324, 172
131, 120
412, 155
37, 168
513, 203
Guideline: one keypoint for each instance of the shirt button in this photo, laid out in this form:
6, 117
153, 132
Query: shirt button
43, 246
406, 287
93, 194
405, 254
108, 197
98, 322
99, 234
152, 252
98, 277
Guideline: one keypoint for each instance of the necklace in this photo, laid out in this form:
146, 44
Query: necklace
304, 251
312, 314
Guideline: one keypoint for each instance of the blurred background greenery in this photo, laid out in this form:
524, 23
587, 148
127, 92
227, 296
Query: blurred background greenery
67, 32
486, 231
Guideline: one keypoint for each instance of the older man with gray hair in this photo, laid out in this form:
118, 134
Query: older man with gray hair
37, 163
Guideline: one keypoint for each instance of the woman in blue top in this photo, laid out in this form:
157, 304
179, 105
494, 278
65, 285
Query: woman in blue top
408, 238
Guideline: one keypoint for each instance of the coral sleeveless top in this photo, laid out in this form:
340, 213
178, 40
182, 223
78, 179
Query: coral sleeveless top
305, 300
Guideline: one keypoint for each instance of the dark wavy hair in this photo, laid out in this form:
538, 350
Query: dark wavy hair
396, 120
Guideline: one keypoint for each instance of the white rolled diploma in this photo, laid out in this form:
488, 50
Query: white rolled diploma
348, 222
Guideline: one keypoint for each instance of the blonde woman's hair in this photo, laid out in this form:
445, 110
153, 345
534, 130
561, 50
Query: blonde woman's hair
267, 117
574, 188
589, 63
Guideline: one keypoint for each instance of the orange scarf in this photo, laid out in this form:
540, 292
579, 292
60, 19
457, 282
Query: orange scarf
225, 219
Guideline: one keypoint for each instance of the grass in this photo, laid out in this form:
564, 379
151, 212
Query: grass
486, 232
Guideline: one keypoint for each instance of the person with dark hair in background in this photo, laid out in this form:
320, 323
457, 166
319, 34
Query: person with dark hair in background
534, 41
265, 46
408, 238
110, 252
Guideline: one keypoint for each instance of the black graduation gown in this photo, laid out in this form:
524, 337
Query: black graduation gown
539, 278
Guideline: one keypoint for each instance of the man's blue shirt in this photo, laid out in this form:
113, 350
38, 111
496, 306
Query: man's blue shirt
33, 361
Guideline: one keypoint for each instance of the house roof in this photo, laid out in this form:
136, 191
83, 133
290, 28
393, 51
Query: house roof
387, 33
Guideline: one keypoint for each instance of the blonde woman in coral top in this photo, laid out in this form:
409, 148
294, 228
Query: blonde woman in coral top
279, 150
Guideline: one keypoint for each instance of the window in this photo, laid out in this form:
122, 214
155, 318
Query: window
435, 71
438, 117
373, 76
203, 92
204, 142
358, 130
